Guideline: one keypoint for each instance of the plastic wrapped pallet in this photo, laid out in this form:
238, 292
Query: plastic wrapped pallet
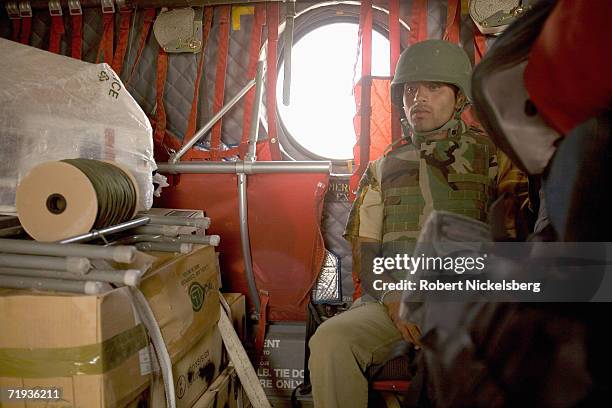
54, 107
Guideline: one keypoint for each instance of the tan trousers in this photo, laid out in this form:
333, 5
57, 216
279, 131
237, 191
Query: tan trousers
343, 348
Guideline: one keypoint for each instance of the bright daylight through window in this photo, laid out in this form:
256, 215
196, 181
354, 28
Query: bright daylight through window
320, 116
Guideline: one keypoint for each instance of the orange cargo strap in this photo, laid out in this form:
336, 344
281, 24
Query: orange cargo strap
453, 21
16, 28
256, 33
224, 37
124, 34
418, 22
394, 39
149, 17
480, 45
105, 50
272, 21
365, 31
193, 115
76, 38
262, 322
160, 111
26, 29
57, 28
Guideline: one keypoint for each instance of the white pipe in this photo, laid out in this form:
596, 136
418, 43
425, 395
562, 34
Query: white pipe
267, 167
129, 277
59, 285
198, 135
245, 241
70, 264
122, 254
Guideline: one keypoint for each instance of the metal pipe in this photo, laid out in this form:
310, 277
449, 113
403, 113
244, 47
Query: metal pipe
254, 131
213, 240
70, 264
59, 285
289, 23
181, 221
122, 254
181, 247
106, 231
129, 277
245, 241
11, 231
167, 230
268, 167
198, 135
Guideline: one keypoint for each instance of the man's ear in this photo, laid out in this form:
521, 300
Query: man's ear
461, 101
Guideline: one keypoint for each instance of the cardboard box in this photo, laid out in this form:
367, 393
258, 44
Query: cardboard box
225, 392
87, 346
50, 340
183, 292
194, 372
237, 304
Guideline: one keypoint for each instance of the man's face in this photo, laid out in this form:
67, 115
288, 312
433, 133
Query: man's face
428, 105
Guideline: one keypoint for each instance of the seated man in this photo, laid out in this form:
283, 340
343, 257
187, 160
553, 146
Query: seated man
444, 166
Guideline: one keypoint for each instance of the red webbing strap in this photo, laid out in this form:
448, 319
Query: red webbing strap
418, 22
272, 21
106, 43
149, 17
480, 45
453, 21
16, 28
394, 39
365, 28
193, 115
224, 37
264, 299
76, 38
26, 29
259, 20
57, 29
124, 36
160, 111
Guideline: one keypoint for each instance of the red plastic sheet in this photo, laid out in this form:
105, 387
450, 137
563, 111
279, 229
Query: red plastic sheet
284, 218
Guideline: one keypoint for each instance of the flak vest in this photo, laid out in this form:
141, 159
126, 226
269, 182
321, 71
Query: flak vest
455, 174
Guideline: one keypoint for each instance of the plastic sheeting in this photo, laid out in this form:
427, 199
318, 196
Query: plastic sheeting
284, 213
55, 107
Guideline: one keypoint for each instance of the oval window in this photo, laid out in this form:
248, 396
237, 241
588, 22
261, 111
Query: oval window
320, 116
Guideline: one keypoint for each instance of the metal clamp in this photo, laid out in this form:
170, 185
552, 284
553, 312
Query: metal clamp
55, 8
12, 9
108, 7
75, 8
25, 9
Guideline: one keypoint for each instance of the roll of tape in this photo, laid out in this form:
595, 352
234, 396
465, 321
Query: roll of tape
55, 200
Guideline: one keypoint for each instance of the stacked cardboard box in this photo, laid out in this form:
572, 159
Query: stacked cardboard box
94, 348
225, 392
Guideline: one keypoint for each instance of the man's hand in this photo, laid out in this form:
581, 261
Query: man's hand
410, 331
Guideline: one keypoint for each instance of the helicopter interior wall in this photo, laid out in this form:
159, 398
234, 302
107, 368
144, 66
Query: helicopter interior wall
183, 69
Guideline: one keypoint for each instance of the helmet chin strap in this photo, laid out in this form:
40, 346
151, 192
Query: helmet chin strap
454, 126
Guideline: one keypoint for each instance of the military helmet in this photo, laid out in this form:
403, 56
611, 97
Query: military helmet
432, 60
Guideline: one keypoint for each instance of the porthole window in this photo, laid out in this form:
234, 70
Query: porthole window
320, 116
